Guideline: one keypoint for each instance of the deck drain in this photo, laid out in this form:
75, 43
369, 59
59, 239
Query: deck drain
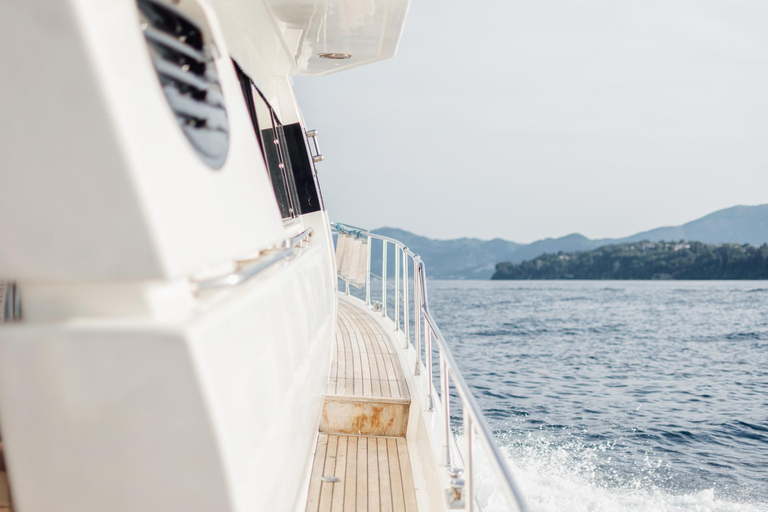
331, 479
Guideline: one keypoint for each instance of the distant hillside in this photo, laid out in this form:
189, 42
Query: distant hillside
646, 260
471, 258
462, 258
737, 225
568, 243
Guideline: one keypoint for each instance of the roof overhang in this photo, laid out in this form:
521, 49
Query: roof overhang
356, 32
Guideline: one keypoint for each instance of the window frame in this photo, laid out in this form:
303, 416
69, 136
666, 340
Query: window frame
269, 126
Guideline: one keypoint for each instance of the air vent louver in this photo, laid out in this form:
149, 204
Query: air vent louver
188, 76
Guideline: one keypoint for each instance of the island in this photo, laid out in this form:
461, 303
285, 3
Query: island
645, 260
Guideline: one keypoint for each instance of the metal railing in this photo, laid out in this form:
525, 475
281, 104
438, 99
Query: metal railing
248, 270
425, 327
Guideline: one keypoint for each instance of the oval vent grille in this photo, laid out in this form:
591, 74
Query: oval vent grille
187, 72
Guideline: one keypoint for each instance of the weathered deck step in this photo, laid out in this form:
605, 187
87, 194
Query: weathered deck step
365, 416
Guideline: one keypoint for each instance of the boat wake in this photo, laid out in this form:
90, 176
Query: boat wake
568, 478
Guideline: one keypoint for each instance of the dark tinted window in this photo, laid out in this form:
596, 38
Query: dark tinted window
273, 157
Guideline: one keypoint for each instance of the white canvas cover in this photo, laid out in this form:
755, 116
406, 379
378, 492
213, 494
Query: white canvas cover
352, 259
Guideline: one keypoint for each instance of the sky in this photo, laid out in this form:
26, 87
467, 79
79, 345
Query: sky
531, 119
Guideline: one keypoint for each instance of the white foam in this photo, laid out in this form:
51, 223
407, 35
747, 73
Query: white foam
563, 478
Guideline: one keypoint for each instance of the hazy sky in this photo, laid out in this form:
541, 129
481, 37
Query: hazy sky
529, 119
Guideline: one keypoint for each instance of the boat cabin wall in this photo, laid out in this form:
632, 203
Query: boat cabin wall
218, 411
99, 180
255, 44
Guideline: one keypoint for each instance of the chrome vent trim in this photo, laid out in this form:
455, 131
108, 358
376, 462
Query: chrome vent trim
187, 72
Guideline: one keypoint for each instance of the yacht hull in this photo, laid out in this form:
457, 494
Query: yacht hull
215, 412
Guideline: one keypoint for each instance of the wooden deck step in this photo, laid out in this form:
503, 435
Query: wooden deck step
361, 473
367, 393
365, 416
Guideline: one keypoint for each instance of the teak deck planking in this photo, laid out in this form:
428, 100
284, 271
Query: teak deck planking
373, 475
367, 391
364, 362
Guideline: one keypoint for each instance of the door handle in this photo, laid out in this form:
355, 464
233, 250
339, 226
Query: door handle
316, 156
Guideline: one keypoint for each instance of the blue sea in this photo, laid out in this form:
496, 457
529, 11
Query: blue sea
620, 395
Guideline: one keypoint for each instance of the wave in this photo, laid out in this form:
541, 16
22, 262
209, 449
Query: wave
567, 493
494, 333
557, 477
749, 335
510, 329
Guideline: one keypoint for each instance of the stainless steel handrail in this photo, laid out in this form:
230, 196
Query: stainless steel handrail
472, 416
283, 252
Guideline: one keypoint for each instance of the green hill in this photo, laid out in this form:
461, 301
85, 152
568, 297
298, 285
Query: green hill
646, 260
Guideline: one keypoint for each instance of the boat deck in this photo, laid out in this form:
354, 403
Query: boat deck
374, 474
364, 361
362, 461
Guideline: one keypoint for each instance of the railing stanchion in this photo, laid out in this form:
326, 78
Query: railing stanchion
346, 287
384, 277
397, 289
406, 323
416, 317
469, 497
368, 275
445, 395
428, 349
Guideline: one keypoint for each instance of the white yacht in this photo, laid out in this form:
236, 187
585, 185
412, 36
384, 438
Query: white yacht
173, 336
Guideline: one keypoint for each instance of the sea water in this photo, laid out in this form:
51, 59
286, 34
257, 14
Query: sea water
619, 395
